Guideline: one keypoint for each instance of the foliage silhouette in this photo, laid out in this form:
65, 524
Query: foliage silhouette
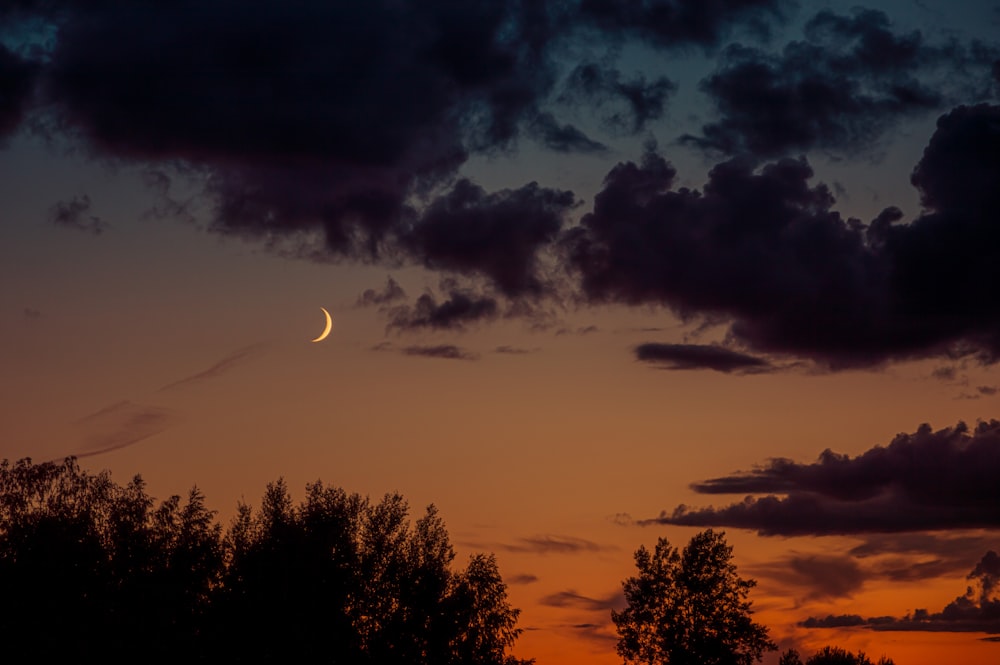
92, 571
689, 608
829, 655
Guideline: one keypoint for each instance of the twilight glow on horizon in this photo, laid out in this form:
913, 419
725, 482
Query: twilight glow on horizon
581, 273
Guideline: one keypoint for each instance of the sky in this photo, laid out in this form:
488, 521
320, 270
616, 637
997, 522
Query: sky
599, 272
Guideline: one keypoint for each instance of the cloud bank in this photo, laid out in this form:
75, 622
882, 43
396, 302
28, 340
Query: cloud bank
927, 480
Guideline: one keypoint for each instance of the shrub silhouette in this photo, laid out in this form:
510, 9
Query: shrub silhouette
93, 571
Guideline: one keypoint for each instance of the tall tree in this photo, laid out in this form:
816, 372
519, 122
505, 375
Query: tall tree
689, 607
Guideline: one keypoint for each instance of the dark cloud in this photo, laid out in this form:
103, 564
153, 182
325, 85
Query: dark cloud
495, 235
32, 313
459, 310
562, 138
17, 77
390, 293
571, 598
839, 90
622, 104
513, 350
978, 611
672, 24
763, 249
700, 356
74, 215
821, 576
909, 557
446, 351
552, 544
339, 130
300, 117
944, 480
328, 119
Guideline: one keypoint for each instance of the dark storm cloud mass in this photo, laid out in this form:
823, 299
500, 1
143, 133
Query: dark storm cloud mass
839, 90
943, 480
763, 248
977, 611
700, 356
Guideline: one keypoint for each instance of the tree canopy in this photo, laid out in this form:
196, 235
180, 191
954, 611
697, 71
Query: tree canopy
689, 607
830, 655
95, 571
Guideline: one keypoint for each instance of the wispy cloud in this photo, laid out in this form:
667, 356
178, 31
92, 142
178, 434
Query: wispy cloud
218, 368
120, 425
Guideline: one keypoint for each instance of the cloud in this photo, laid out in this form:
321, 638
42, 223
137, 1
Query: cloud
700, 356
494, 235
446, 351
822, 576
762, 248
554, 544
391, 293
224, 365
943, 480
978, 610
513, 350
571, 598
120, 425
669, 24
563, 138
17, 78
839, 90
909, 557
32, 313
524, 578
74, 215
251, 105
428, 82
459, 310
623, 104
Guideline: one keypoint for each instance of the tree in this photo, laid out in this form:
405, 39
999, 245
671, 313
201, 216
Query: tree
91, 571
831, 656
689, 608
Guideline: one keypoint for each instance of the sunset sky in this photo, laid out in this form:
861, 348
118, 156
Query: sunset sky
598, 271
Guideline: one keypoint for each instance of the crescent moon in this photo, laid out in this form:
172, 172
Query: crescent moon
328, 328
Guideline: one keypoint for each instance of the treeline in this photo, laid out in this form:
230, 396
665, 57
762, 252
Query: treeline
94, 571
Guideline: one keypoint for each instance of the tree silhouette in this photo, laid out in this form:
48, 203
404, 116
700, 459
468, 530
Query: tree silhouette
689, 608
91, 571
829, 655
